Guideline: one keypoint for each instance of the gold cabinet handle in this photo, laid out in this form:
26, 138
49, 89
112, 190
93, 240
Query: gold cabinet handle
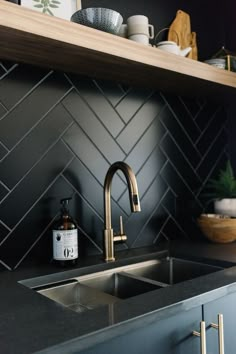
220, 328
202, 335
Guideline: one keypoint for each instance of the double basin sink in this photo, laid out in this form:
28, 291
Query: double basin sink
107, 287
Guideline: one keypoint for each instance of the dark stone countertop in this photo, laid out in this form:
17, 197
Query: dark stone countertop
30, 322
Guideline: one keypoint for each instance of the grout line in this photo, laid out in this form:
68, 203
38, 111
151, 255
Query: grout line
34, 243
4, 107
177, 172
147, 98
108, 101
210, 172
163, 235
182, 152
36, 201
82, 197
77, 157
94, 112
127, 153
189, 112
147, 221
177, 118
3, 67
140, 168
27, 94
129, 121
141, 137
7, 72
207, 125
115, 201
5, 265
69, 147
125, 94
87, 135
176, 223
90, 239
5, 225
210, 146
161, 230
5, 147
8, 189
37, 162
39, 121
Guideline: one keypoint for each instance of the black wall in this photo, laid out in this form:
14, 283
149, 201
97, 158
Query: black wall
230, 25
59, 133
230, 43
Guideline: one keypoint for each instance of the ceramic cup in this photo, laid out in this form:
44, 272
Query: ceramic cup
123, 32
138, 24
140, 38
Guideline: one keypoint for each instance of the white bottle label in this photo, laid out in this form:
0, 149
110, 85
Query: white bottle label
65, 244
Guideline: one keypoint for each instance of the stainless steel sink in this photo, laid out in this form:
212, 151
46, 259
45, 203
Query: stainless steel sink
120, 285
97, 289
107, 287
76, 296
172, 270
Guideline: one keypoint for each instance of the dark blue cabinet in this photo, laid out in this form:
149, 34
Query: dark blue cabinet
227, 307
170, 335
171, 332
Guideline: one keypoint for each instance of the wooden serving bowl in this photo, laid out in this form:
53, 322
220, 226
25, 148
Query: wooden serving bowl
218, 228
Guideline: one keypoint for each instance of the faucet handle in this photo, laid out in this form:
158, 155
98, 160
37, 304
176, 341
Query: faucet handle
121, 236
121, 226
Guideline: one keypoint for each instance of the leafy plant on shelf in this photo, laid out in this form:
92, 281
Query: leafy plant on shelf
47, 5
224, 186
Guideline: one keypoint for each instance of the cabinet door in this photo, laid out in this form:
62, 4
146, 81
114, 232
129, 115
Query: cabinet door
226, 306
170, 335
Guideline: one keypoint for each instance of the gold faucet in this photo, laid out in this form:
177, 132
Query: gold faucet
109, 237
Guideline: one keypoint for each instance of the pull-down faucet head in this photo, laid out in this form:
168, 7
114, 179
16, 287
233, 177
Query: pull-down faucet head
109, 239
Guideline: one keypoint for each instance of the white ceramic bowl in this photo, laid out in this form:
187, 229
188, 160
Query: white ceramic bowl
103, 19
218, 63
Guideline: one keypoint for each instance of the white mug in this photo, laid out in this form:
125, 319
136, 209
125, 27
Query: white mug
138, 24
140, 38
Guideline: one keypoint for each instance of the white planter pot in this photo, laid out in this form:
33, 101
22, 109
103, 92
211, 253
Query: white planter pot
226, 206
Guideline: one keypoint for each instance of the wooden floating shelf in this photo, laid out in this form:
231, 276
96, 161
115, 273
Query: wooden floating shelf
34, 38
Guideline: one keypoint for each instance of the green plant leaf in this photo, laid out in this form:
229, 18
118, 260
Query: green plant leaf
39, 6
224, 186
54, 6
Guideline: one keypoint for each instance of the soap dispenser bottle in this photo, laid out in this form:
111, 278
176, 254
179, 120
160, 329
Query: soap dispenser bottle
65, 237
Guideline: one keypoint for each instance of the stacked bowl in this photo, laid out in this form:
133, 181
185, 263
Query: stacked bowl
103, 19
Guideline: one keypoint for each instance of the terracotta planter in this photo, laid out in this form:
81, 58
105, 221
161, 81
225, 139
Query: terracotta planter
226, 206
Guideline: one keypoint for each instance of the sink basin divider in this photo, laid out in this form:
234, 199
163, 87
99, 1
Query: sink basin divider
144, 279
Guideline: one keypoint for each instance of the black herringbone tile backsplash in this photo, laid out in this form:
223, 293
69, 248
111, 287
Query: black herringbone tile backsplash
59, 133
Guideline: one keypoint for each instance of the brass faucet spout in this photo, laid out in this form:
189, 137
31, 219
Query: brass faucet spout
109, 239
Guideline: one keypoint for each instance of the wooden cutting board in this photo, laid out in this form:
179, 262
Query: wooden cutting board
180, 32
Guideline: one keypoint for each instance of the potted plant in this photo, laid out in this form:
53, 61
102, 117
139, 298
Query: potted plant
223, 192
